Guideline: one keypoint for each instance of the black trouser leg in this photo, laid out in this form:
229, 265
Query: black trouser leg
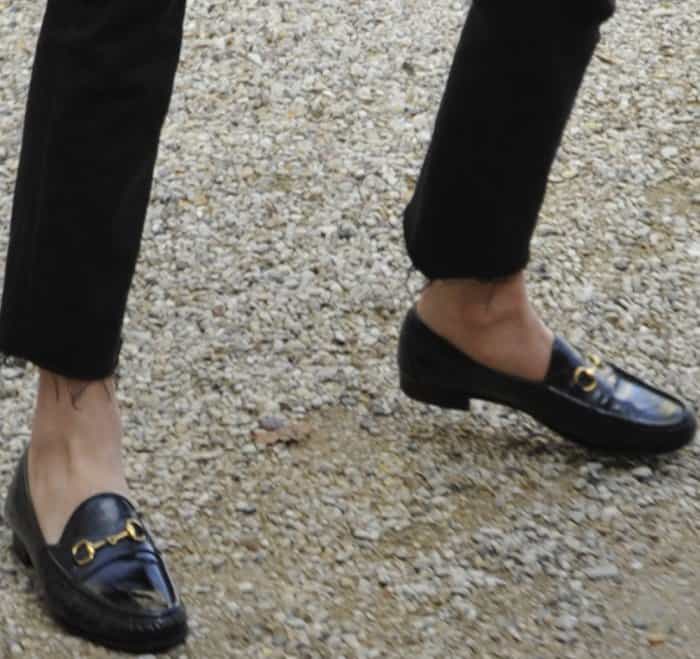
101, 85
512, 86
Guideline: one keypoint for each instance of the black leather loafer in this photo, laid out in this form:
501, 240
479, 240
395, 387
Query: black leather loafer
595, 404
104, 580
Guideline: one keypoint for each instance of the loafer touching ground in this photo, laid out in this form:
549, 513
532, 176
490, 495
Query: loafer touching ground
104, 580
592, 403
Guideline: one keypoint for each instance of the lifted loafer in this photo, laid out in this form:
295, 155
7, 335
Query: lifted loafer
104, 580
594, 404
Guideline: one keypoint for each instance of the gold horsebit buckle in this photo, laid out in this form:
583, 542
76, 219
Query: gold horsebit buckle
584, 376
85, 550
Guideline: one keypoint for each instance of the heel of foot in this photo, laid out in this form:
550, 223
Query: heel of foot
432, 395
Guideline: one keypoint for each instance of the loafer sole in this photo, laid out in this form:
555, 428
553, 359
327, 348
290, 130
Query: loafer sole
654, 440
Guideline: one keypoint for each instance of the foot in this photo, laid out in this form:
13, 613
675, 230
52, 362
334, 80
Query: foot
491, 322
105, 580
75, 449
592, 402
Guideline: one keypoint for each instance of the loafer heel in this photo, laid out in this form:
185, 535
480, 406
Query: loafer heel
434, 395
20, 552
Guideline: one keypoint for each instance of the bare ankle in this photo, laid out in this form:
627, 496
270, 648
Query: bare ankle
62, 390
492, 322
474, 303
75, 449
67, 408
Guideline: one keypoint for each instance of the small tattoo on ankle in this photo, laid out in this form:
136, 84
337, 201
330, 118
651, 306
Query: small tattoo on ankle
76, 389
76, 394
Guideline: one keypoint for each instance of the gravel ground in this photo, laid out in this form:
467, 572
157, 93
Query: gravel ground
306, 507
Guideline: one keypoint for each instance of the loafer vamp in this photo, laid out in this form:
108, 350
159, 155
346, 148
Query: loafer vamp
608, 390
106, 618
137, 584
106, 552
641, 403
131, 583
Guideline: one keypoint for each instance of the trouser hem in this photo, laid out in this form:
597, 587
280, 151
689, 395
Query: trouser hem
65, 365
498, 268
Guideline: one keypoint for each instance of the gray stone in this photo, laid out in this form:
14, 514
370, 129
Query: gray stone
566, 623
603, 571
272, 423
642, 473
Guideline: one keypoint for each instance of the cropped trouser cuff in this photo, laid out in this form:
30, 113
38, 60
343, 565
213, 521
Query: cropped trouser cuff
101, 85
511, 89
